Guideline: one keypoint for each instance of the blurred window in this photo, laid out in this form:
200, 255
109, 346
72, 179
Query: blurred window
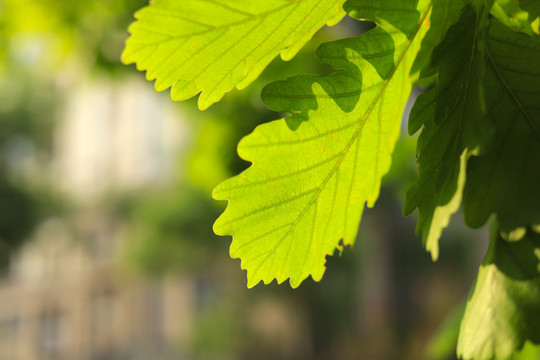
100, 245
52, 336
102, 322
9, 327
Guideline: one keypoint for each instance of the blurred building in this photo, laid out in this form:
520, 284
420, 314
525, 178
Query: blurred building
117, 136
67, 298
66, 295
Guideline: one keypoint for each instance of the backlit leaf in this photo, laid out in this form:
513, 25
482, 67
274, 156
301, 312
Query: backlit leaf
503, 309
313, 172
214, 45
519, 15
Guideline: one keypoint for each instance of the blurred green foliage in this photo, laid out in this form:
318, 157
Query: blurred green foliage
44, 46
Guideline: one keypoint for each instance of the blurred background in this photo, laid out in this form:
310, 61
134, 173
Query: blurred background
106, 243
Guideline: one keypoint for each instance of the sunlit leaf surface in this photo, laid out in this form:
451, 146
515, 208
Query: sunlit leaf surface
313, 172
503, 308
214, 45
519, 15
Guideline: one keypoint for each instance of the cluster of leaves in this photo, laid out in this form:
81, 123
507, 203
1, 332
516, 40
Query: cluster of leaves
313, 171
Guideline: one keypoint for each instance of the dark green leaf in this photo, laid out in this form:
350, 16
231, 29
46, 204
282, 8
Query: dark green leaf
452, 127
505, 179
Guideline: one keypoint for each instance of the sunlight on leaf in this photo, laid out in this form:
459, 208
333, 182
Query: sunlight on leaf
503, 308
214, 45
313, 172
518, 15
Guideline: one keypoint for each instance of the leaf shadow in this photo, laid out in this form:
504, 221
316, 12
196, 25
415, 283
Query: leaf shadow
352, 58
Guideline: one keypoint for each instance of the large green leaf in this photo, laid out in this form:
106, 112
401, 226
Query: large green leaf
506, 178
503, 310
214, 45
313, 172
452, 126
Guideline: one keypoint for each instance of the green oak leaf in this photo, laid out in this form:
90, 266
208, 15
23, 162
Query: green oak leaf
505, 178
313, 171
445, 13
519, 15
503, 309
214, 45
452, 128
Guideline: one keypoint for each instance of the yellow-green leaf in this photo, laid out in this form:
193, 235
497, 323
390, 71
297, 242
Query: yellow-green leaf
313, 172
211, 46
503, 309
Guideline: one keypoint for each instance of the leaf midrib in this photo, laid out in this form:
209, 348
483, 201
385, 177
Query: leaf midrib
512, 94
353, 138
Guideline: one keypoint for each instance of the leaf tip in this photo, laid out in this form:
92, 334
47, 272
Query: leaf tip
124, 57
252, 282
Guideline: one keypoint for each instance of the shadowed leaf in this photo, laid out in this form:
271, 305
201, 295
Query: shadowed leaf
451, 121
505, 178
